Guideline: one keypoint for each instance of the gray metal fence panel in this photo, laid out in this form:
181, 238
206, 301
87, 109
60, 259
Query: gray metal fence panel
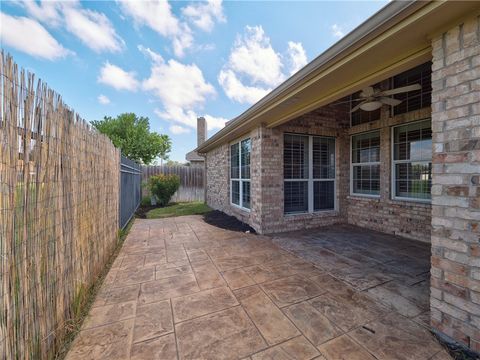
130, 189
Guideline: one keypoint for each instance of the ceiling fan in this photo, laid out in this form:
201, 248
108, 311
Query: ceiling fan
373, 99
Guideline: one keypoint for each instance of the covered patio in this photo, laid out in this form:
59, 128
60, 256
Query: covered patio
181, 288
380, 131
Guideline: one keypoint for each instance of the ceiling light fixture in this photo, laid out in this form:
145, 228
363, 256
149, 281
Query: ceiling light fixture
371, 106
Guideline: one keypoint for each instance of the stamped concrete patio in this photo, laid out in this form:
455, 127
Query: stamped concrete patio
181, 288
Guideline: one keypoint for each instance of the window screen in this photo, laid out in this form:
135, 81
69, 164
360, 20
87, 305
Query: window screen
296, 196
240, 173
309, 173
323, 195
323, 158
366, 164
295, 157
412, 160
414, 100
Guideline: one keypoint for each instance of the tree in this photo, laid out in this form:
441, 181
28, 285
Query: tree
176, 163
132, 135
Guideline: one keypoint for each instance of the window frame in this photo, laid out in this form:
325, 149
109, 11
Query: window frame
426, 79
352, 165
394, 162
240, 179
310, 179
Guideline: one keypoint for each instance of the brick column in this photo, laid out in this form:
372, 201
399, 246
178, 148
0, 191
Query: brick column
271, 179
455, 281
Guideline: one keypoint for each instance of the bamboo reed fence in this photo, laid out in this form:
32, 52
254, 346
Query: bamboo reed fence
58, 213
191, 181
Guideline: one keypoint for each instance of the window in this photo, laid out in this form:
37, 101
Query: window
361, 117
365, 166
309, 173
414, 100
412, 161
240, 173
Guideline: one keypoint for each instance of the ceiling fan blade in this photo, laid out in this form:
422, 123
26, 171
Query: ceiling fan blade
357, 107
400, 90
390, 101
367, 92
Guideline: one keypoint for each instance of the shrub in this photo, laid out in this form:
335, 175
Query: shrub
146, 201
163, 187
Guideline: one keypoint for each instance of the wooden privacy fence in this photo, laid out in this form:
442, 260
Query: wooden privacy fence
191, 181
59, 194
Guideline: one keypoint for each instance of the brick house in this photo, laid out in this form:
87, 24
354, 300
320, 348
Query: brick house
301, 158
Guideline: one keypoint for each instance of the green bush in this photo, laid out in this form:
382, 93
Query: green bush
146, 201
163, 187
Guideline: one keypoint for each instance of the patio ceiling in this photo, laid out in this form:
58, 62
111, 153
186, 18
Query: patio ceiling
393, 40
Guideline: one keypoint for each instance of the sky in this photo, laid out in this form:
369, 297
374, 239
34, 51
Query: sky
172, 61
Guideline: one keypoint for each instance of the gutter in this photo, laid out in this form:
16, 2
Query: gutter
334, 53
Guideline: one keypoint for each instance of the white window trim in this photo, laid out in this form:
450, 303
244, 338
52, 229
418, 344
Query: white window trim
240, 180
311, 180
394, 162
352, 165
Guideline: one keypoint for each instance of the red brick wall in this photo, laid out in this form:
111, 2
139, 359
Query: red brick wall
327, 121
405, 218
217, 164
408, 219
455, 282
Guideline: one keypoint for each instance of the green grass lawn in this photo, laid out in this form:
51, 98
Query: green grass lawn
179, 209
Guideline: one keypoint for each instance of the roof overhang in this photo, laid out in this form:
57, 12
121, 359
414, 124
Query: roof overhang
194, 156
396, 38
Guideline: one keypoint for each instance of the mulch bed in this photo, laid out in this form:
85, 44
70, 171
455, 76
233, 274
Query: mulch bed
215, 218
227, 222
143, 210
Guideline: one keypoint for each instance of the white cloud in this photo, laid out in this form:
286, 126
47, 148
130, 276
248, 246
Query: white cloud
253, 56
117, 78
337, 31
158, 16
254, 67
237, 91
29, 36
46, 12
92, 28
297, 57
204, 15
189, 118
181, 89
102, 99
177, 129
178, 85
215, 122
156, 58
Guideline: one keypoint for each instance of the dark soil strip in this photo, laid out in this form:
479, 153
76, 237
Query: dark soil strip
143, 210
227, 222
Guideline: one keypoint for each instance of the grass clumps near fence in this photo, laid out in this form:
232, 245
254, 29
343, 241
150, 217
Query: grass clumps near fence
179, 209
85, 299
